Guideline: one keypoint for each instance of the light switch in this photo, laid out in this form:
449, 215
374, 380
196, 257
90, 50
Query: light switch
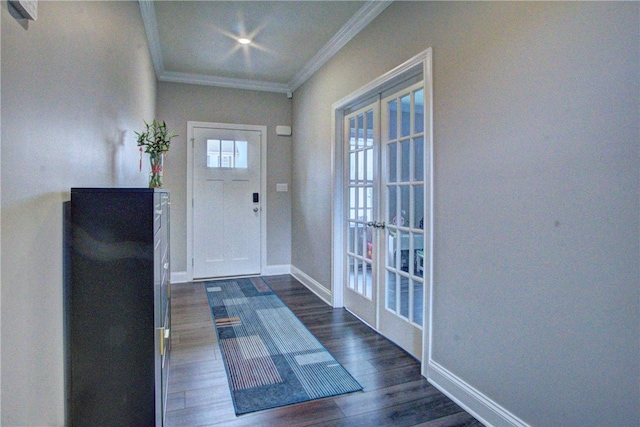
282, 188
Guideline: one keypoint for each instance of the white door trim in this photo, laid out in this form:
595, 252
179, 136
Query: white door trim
263, 187
387, 80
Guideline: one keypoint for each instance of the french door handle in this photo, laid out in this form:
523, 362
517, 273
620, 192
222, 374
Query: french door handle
376, 224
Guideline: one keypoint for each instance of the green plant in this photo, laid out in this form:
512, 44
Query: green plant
156, 138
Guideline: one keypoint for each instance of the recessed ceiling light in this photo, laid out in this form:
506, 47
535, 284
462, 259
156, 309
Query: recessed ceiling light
244, 40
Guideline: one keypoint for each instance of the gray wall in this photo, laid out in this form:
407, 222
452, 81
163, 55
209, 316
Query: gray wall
75, 86
537, 188
179, 103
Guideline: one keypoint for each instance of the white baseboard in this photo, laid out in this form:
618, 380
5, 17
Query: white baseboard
179, 277
276, 270
473, 401
314, 286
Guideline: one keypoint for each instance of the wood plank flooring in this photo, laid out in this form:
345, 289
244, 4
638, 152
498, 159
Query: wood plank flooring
395, 394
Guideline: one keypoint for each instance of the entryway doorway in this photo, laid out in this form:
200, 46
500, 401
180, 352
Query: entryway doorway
226, 200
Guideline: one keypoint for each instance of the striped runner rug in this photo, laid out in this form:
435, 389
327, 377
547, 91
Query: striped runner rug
271, 358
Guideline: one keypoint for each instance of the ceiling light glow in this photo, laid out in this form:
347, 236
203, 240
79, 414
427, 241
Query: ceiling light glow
244, 40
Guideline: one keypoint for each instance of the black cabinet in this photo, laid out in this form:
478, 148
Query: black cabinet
119, 326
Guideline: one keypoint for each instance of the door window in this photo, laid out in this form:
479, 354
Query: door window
404, 201
360, 159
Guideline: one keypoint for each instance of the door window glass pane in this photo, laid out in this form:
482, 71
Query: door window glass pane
213, 153
361, 204
391, 205
418, 305
405, 203
418, 112
418, 207
227, 154
392, 242
370, 128
393, 119
404, 296
406, 115
360, 130
419, 270
352, 203
351, 273
351, 236
241, 155
393, 155
352, 168
352, 133
369, 166
391, 291
360, 166
368, 287
418, 158
405, 159
404, 251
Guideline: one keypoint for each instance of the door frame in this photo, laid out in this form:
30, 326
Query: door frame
421, 62
263, 186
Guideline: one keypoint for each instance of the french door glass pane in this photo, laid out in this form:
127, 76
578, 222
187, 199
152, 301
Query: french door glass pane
351, 237
352, 167
370, 128
404, 297
406, 115
418, 298
391, 204
351, 281
418, 112
360, 165
352, 133
405, 206
405, 167
392, 245
393, 119
393, 158
418, 207
369, 166
405, 252
391, 291
418, 158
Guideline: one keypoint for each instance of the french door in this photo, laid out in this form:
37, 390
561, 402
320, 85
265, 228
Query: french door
403, 195
362, 150
385, 214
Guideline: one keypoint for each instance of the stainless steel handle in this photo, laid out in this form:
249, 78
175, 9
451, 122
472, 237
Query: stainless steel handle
255, 209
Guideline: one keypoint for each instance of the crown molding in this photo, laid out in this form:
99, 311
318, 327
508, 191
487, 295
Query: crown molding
150, 23
362, 18
207, 80
367, 13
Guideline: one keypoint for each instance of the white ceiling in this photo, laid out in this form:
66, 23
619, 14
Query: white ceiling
195, 41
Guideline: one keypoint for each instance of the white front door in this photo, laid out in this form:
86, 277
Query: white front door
226, 202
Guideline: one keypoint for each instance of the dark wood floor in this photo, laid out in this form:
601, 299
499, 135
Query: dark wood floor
395, 394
